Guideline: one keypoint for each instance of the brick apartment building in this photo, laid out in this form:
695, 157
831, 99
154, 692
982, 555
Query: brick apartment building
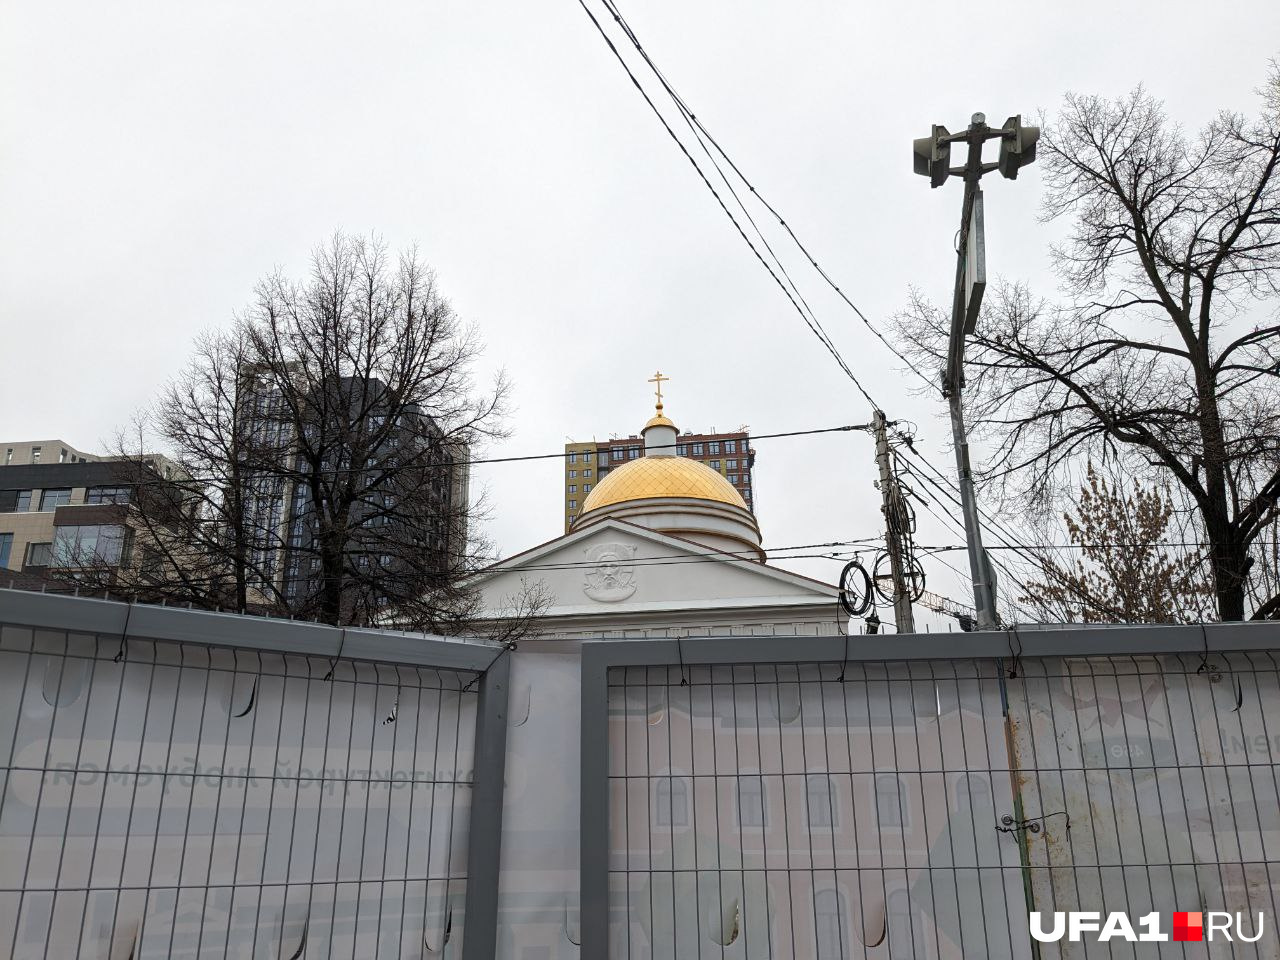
586, 464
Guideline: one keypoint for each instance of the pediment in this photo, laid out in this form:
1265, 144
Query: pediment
618, 566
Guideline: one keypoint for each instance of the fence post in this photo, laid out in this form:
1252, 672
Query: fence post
593, 881
484, 846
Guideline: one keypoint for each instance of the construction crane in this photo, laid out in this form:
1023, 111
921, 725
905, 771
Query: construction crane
963, 615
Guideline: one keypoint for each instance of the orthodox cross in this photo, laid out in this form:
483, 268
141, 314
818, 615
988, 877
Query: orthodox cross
659, 379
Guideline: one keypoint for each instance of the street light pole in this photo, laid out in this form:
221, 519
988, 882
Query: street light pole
932, 159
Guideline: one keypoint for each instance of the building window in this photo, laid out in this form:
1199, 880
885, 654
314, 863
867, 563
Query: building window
52, 499
746, 493
11, 500
6, 546
715, 465
633, 452
8, 456
731, 446
573, 488
697, 449
822, 806
573, 504
682, 449
733, 478
751, 812
586, 473
972, 793
35, 454
715, 447
890, 811
62, 457
573, 458
586, 456
108, 495
671, 802
829, 914
93, 545
731, 464
37, 554
586, 488
573, 474
617, 453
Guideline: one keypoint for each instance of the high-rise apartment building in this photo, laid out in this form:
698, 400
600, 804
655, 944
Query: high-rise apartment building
586, 464
410, 517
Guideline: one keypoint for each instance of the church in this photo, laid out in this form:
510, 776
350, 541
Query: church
664, 547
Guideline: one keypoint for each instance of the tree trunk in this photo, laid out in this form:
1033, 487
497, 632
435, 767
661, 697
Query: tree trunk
1230, 560
330, 584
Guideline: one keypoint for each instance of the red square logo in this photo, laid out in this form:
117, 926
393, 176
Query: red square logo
1188, 926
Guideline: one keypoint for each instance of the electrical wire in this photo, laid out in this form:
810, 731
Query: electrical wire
670, 446
949, 518
813, 326
704, 137
746, 556
700, 132
1010, 539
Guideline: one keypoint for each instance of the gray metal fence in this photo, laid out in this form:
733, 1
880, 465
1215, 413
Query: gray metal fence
186, 784
918, 797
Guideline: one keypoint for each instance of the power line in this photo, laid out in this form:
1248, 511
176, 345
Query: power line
812, 324
730, 556
953, 490
703, 136
702, 133
672, 446
284, 472
948, 519
1069, 546
960, 527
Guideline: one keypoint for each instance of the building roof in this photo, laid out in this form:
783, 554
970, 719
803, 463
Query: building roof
652, 477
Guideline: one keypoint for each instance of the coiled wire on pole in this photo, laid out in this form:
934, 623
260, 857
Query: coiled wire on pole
852, 601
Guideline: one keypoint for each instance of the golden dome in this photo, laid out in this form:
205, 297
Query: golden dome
658, 420
651, 477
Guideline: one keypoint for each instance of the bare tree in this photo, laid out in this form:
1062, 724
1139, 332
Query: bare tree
1167, 347
193, 534
1128, 568
321, 450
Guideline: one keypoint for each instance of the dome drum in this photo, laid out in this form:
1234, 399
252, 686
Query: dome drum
716, 525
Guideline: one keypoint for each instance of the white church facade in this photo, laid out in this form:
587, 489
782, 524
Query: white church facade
664, 547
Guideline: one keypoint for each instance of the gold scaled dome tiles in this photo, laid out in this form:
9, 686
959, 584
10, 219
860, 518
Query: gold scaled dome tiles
651, 477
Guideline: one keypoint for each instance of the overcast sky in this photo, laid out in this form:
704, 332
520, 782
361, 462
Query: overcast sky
157, 158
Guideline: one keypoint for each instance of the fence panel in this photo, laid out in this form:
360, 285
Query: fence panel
775, 798
1149, 784
768, 810
162, 798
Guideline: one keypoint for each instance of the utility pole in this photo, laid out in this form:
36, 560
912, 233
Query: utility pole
932, 159
890, 500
